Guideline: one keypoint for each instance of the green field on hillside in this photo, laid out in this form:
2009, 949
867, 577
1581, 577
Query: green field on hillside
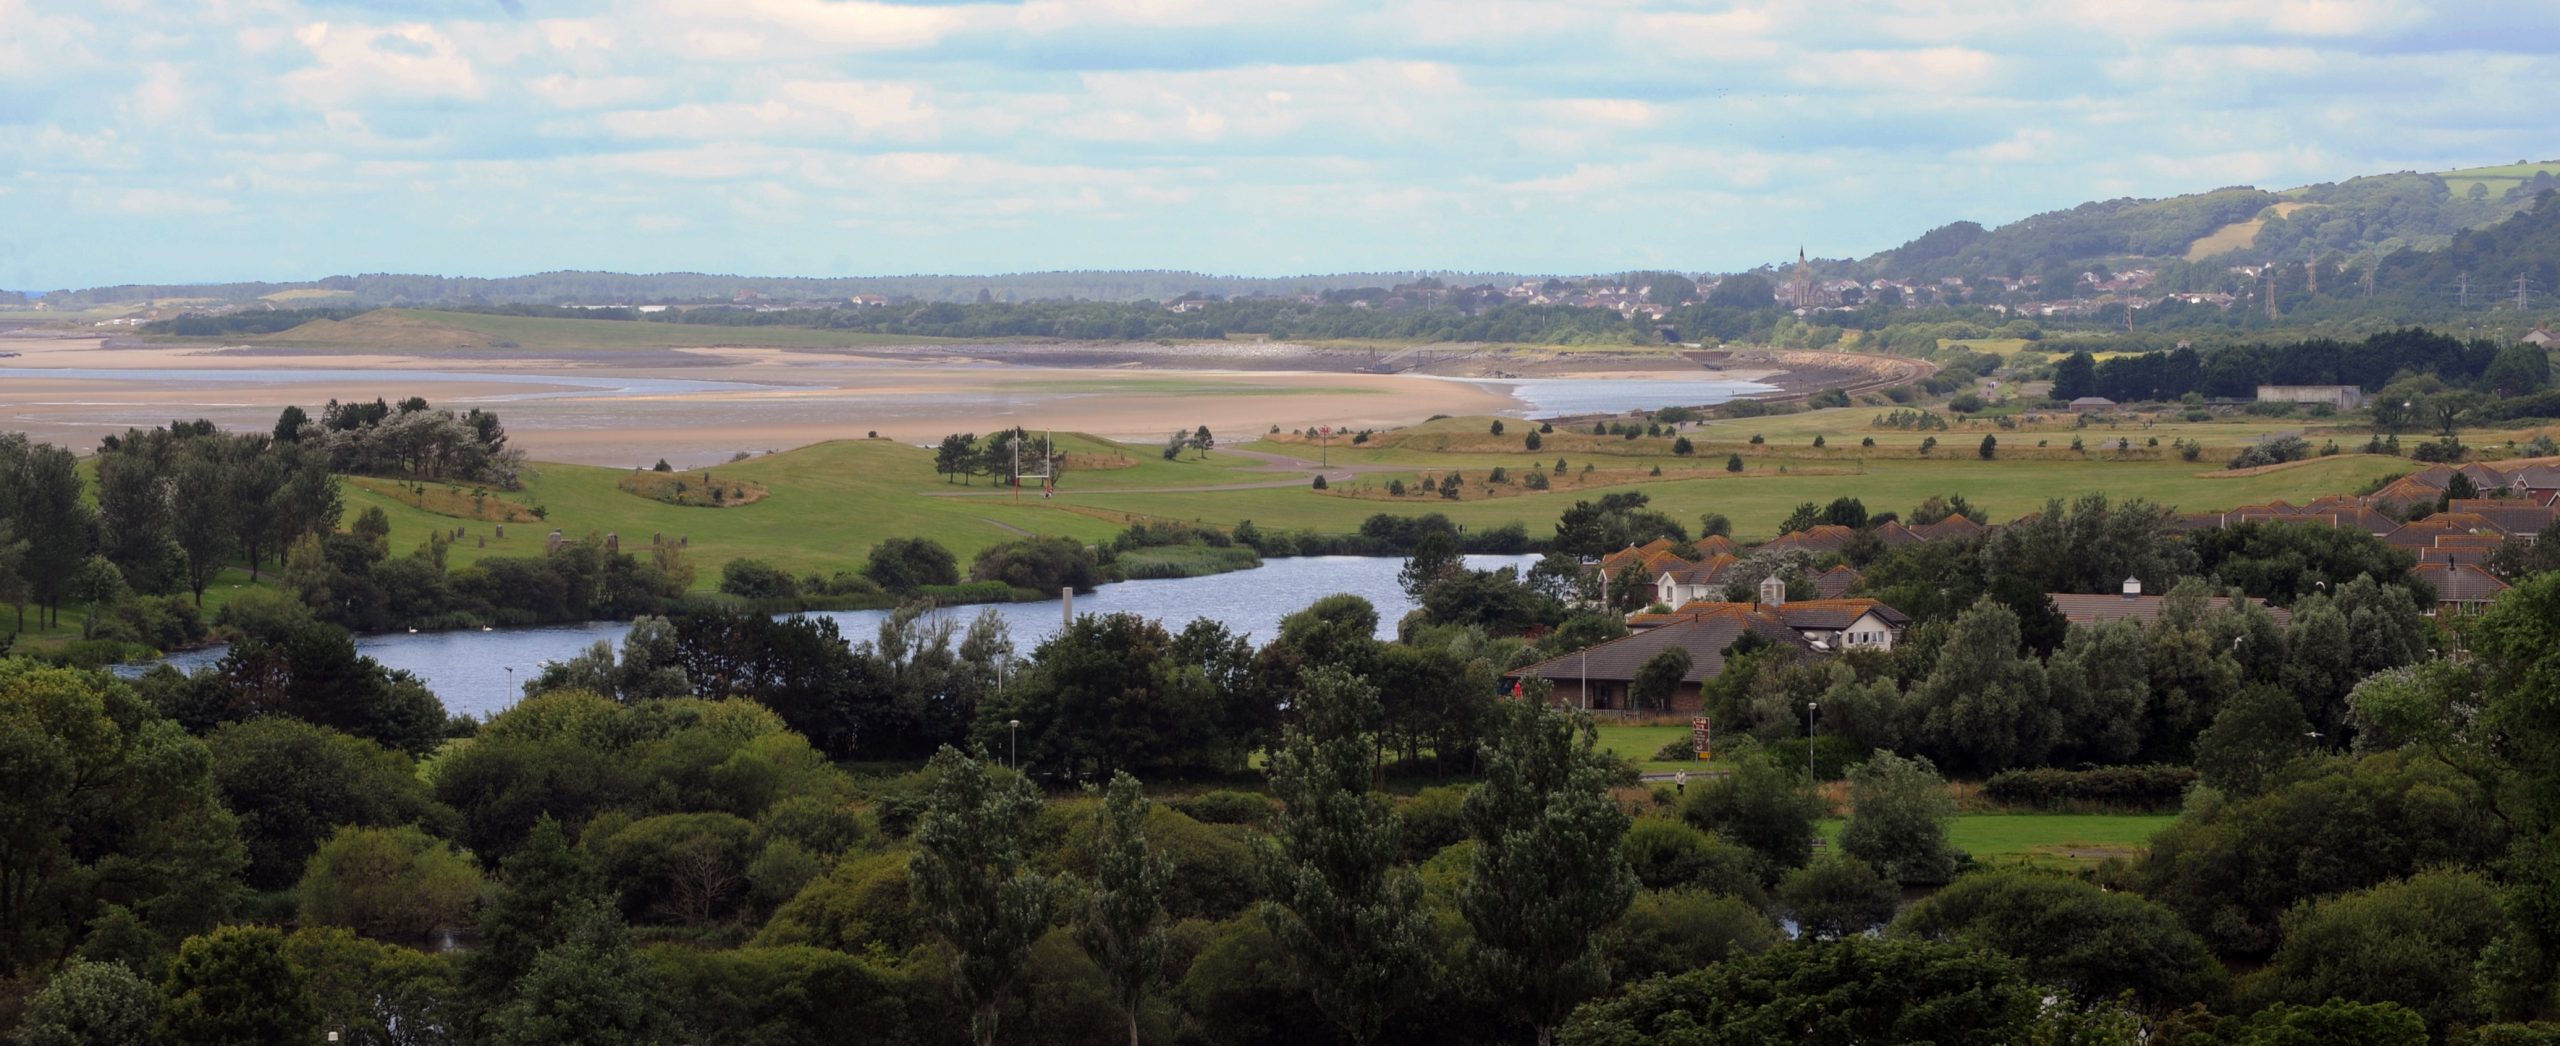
2498, 179
829, 504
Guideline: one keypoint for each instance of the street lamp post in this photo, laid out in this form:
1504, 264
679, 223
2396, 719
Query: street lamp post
1013, 743
1812, 715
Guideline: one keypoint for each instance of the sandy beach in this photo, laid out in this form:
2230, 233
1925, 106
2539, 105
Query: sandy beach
698, 406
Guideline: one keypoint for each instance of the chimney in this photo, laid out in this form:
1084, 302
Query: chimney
2133, 588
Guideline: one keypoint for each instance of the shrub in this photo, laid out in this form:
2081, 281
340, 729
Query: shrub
2273, 450
1225, 806
2155, 787
1733, 463
757, 579
1319, 483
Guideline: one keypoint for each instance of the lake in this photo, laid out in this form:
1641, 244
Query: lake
482, 673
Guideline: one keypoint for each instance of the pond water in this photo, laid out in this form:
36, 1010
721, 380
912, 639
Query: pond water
1548, 397
483, 672
577, 386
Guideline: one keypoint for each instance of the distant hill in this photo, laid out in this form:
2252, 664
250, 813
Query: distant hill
2337, 222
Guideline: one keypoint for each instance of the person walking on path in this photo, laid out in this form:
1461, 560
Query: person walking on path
1680, 783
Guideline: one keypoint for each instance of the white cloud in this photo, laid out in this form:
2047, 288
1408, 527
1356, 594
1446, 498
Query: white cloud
1310, 133
411, 60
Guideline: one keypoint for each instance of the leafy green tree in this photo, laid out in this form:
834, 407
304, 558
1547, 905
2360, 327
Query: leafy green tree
1899, 809
2414, 941
956, 456
47, 505
2518, 645
970, 883
284, 661
903, 565
2101, 690
1338, 904
106, 804
590, 989
1838, 896
1117, 692
538, 886
2334, 1021
396, 883
232, 987
1548, 872
2075, 376
1762, 805
2232, 867
1435, 556
374, 993
1658, 679
689, 868
1675, 931
1123, 927
2518, 370
1826, 993
2256, 734
1667, 854
292, 783
1983, 707
1989, 449
2097, 943
90, 1002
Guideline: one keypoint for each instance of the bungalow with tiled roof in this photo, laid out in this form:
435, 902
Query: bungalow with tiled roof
1829, 624
1690, 582
2513, 517
1716, 545
2423, 533
2461, 588
2538, 482
2132, 605
1598, 677
1950, 527
1836, 582
1820, 538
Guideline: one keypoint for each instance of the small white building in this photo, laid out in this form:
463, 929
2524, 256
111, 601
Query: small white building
2343, 397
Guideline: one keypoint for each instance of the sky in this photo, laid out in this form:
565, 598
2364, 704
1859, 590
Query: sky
211, 140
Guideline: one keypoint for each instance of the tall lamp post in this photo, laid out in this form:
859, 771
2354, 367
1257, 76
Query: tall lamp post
1812, 713
1013, 743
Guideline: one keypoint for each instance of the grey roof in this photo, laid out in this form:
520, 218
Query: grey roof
1705, 637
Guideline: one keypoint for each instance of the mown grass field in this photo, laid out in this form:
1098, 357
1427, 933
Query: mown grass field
2066, 841
829, 504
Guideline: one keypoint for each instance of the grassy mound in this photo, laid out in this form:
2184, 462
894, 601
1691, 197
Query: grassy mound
693, 489
445, 499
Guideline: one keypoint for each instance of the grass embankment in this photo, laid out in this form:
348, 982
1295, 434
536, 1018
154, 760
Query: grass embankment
2066, 841
1172, 561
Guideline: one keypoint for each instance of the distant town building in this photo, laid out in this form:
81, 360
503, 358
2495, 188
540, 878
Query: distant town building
2343, 397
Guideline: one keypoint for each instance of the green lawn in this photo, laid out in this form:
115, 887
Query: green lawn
2045, 840
1636, 744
